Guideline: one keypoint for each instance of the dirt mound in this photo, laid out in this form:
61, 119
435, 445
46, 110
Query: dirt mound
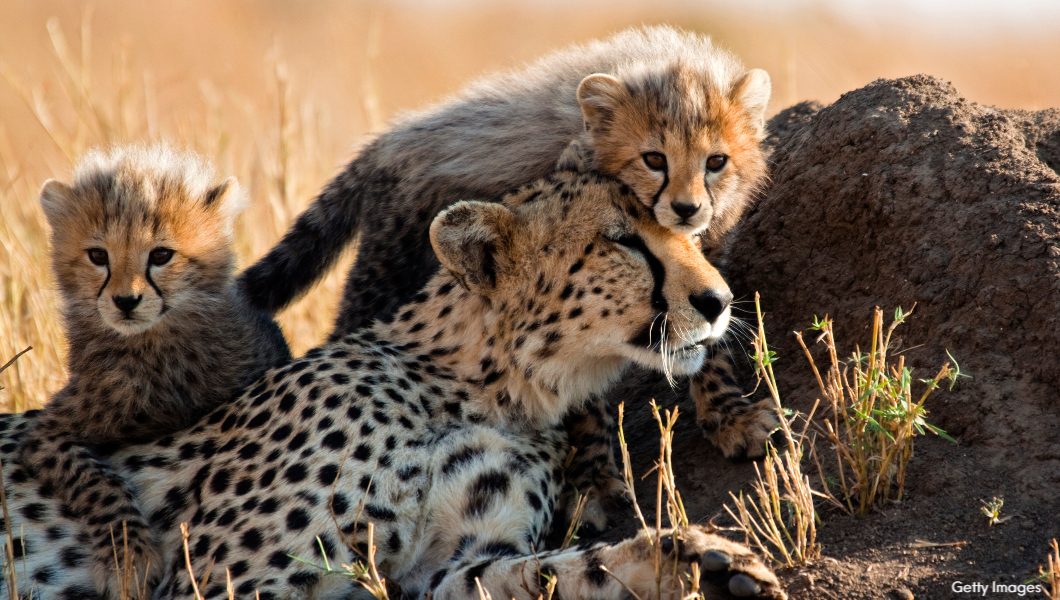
903, 192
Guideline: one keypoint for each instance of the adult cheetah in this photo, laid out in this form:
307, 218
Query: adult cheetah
440, 426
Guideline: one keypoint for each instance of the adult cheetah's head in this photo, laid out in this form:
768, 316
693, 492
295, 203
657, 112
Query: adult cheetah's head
582, 280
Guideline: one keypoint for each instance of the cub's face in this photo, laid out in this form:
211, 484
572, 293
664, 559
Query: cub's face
689, 148
129, 251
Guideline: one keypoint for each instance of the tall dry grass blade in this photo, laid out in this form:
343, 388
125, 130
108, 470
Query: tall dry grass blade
780, 519
187, 563
627, 470
1051, 577
576, 520
628, 589
483, 594
12, 361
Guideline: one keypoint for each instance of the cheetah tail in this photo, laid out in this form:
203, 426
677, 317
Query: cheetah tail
308, 249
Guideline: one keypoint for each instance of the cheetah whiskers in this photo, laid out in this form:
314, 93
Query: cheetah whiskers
741, 332
667, 356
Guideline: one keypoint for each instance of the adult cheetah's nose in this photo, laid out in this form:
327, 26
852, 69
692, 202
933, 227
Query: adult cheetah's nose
684, 210
711, 303
126, 304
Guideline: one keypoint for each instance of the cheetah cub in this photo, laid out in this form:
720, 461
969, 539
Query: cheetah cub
158, 335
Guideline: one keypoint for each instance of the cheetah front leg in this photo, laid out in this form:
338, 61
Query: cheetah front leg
733, 422
592, 472
623, 570
91, 491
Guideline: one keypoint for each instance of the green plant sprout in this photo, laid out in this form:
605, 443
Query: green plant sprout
875, 417
992, 510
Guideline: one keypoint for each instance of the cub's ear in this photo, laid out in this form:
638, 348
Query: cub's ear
58, 201
599, 96
471, 239
752, 92
227, 200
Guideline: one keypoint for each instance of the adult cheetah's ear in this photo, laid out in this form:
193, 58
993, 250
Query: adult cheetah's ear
471, 240
58, 201
227, 200
599, 95
752, 92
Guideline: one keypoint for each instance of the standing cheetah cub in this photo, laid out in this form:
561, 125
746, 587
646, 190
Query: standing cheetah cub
158, 335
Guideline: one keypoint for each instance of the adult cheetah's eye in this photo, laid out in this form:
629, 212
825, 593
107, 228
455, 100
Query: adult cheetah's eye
160, 256
717, 162
656, 161
98, 256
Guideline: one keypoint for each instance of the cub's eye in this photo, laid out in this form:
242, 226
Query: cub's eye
160, 256
656, 161
717, 162
98, 256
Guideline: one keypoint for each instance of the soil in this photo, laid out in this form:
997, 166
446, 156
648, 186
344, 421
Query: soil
905, 192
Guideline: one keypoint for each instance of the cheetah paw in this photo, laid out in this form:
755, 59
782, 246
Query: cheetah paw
602, 499
740, 435
727, 568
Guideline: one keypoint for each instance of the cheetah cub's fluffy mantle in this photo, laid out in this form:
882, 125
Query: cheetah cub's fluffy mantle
158, 335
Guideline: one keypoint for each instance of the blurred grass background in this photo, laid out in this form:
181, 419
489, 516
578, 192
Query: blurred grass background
281, 94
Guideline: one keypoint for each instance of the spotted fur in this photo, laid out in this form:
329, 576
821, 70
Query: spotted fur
140, 246
440, 427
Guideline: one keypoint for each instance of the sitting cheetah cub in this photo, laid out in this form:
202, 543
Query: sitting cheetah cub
158, 335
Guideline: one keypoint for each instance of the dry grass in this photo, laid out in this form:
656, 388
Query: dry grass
779, 517
874, 421
1051, 574
668, 500
363, 571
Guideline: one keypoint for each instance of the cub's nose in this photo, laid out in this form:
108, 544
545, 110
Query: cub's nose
684, 210
127, 303
711, 303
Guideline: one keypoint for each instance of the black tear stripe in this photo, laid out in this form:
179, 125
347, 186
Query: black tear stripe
706, 184
658, 272
105, 282
658, 194
644, 337
147, 274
